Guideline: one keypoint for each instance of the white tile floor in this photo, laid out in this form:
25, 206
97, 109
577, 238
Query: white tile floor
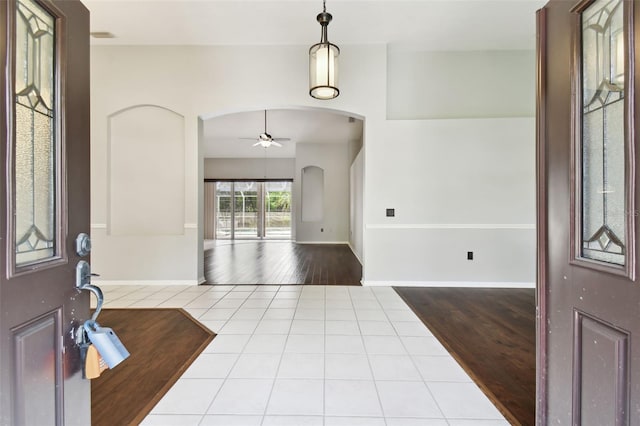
311, 355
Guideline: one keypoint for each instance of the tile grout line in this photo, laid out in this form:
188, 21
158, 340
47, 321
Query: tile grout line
414, 364
366, 352
230, 369
273, 384
223, 380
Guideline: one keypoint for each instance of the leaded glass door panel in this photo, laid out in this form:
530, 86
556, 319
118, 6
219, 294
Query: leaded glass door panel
45, 203
601, 159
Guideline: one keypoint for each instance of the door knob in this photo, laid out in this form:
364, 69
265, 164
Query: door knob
83, 244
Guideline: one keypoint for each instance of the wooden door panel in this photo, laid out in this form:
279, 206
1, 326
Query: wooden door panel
40, 367
589, 362
600, 372
38, 370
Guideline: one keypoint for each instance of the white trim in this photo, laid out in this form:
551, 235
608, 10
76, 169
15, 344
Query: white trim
98, 226
354, 253
144, 282
474, 284
322, 242
451, 226
190, 226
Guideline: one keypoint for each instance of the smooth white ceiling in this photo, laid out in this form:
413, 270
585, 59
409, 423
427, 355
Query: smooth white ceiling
423, 24
432, 24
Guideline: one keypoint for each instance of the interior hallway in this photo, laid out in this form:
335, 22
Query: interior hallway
311, 355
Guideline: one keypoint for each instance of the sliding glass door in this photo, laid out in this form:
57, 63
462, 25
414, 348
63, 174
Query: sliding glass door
253, 209
277, 215
223, 210
246, 209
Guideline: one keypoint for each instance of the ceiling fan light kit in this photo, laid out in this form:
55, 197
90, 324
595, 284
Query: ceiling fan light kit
323, 62
265, 140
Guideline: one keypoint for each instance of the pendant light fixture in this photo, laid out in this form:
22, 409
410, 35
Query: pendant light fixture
323, 62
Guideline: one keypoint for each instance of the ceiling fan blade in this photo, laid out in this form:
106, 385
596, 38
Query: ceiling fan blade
281, 139
274, 143
247, 139
257, 143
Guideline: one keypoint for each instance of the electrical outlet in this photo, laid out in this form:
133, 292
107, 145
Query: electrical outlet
469, 255
391, 212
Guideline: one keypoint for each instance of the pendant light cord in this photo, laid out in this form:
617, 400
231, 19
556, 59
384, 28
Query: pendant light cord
324, 5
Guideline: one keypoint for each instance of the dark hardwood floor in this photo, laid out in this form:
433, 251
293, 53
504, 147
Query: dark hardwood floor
491, 332
163, 343
280, 262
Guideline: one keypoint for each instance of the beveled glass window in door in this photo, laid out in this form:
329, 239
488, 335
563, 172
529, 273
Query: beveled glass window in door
36, 138
603, 136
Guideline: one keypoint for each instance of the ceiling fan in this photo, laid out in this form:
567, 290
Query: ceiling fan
265, 140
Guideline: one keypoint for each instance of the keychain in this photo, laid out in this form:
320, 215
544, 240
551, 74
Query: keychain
107, 344
94, 364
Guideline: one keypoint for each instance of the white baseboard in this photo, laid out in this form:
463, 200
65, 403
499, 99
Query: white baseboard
144, 282
468, 284
322, 242
354, 253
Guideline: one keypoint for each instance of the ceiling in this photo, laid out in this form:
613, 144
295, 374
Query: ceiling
425, 24
222, 134
432, 24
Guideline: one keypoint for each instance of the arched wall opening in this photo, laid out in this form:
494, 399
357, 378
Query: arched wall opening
319, 137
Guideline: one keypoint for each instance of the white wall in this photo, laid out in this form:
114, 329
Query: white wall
356, 205
311, 201
354, 147
457, 171
249, 168
333, 159
197, 81
468, 185
145, 196
479, 84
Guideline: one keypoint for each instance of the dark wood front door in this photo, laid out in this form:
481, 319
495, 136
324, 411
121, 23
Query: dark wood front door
589, 294
44, 193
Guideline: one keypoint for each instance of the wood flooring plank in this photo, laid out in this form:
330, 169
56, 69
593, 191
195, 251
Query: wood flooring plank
281, 262
163, 343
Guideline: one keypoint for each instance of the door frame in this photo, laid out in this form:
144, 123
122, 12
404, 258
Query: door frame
541, 219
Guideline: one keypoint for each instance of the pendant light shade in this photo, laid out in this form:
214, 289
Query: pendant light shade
323, 63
